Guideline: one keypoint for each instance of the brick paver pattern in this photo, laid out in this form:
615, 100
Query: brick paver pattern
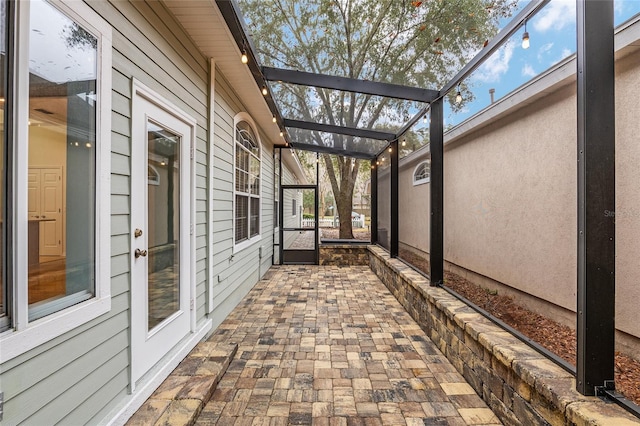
328, 345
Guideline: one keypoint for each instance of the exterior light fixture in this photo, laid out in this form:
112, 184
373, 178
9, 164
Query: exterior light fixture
244, 58
525, 37
264, 90
458, 96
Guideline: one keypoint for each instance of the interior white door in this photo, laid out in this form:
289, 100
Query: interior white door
51, 229
160, 240
45, 199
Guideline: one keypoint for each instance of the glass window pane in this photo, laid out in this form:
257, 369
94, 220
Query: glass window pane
3, 168
163, 225
62, 137
242, 158
242, 213
255, 217
242, 184
247, 181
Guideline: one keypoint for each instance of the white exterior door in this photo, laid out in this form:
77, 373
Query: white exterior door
161, 240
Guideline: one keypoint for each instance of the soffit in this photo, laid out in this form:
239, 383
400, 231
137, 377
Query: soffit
203, 22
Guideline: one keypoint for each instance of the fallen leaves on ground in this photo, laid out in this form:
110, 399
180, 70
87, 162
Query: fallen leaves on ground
559, 339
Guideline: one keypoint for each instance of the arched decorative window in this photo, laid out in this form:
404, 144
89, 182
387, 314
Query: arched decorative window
247, 181
422, 173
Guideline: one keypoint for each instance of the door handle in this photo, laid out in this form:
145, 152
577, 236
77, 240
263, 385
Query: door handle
139, 253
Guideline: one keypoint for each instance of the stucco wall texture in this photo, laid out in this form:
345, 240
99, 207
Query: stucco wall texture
510, 202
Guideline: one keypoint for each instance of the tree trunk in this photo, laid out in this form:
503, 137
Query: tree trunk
344, 204
343, 190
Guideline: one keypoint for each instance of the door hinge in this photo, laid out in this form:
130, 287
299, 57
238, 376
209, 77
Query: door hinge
191, 304
192, 153
191, 229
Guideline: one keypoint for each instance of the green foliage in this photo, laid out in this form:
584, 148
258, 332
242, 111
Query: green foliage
76, 36
413, 43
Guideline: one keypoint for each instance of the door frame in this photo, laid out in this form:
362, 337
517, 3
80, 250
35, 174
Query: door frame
296, 257
139, 115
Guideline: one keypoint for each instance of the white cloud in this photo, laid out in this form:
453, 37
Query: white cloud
497, 64
528, 71
544, 50
565, 53
556, 15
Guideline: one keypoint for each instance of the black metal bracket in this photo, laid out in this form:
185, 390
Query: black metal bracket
607, 393
439, 283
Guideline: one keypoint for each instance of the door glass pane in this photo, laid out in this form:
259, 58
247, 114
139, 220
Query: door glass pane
61, 175
3, 150
163, 224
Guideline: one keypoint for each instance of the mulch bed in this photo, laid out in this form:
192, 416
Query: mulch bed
556, 337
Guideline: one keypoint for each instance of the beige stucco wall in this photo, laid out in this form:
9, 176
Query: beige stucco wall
414, 206
628, 193
510, 202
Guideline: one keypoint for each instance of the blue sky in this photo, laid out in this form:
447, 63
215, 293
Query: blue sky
552, 35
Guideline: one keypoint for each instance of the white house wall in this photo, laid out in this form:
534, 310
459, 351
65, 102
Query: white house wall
235, 272
83, 376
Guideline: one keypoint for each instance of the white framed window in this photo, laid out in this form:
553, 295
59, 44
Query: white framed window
56, 170
247, 182
422, 173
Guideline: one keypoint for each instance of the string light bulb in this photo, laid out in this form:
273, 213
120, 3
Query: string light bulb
390, 150
265, 92
274, 119
525, 37
458, 96
404, 142
244, 58
424, 119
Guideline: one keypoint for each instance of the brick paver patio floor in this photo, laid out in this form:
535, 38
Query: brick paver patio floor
329, 345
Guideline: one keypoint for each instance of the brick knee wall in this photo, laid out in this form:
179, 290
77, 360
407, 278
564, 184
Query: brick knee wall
344, 254
520, 385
